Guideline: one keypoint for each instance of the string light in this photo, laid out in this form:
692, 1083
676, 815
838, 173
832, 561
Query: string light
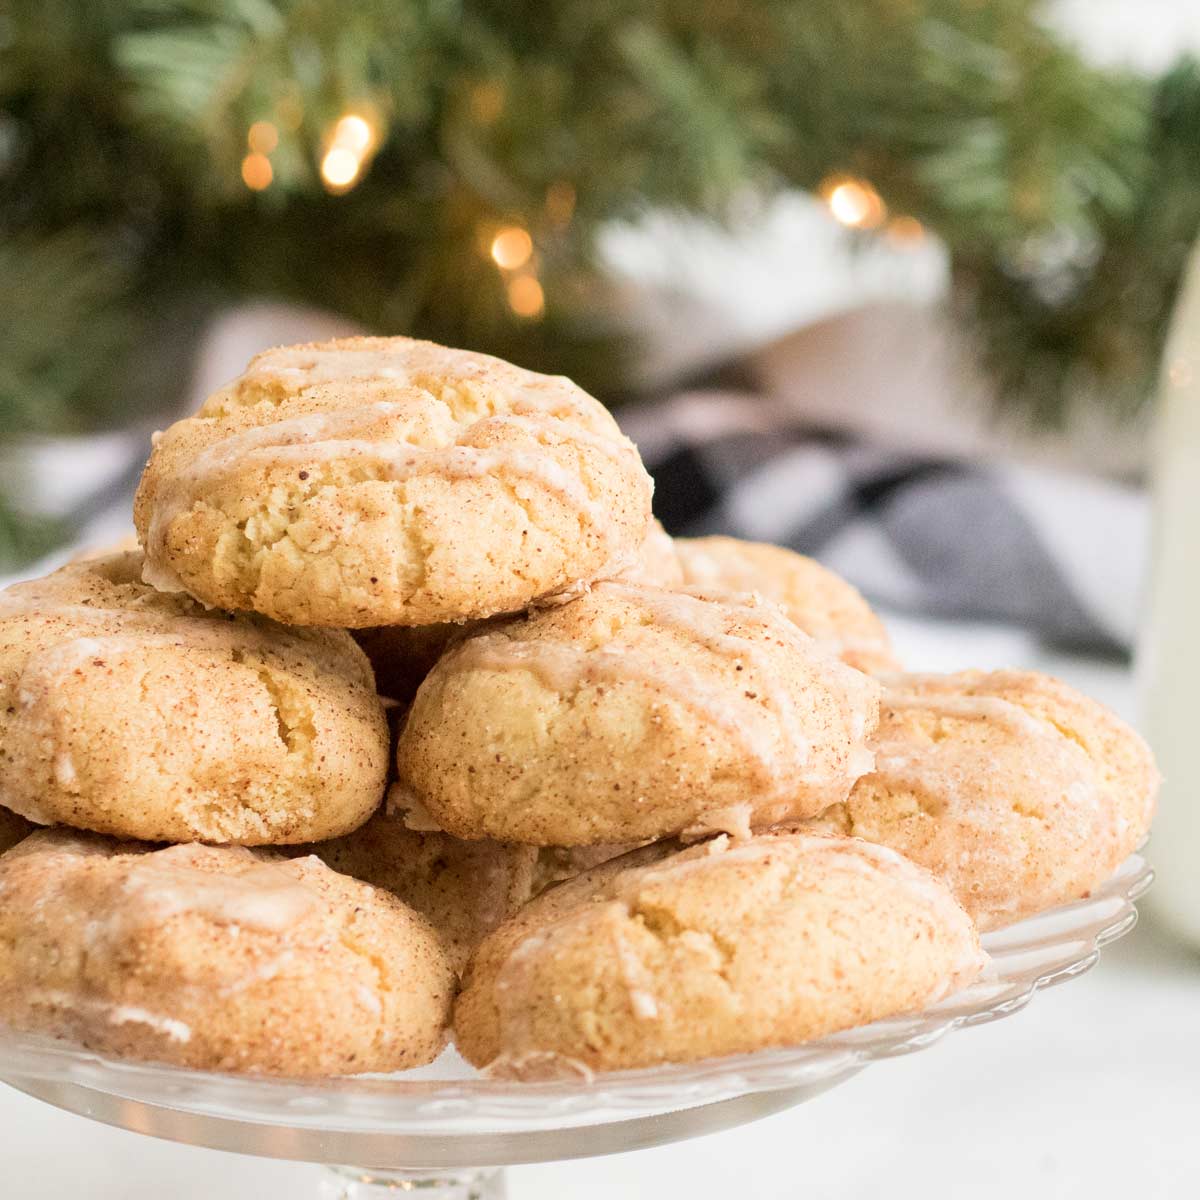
854, 202
340, 168
354, 133
511, 248
262, 137
257, 171
525, 296
349, 148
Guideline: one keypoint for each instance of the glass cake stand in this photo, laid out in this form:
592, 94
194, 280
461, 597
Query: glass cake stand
445, 1131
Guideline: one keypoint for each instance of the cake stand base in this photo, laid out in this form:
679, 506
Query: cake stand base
348, 1183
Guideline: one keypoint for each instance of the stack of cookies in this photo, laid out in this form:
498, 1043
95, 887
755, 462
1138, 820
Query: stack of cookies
405, 716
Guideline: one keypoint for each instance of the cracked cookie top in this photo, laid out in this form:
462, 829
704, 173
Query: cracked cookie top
1017, 790
669, 955
386, 481
632, 713
142, 715
196, 955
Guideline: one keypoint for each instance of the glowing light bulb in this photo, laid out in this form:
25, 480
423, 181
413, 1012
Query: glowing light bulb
854, 203
525, 296
340, 168
511, 248
262, 137
257, 172
355, 133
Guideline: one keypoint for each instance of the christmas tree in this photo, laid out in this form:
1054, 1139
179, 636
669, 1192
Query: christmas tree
441, 168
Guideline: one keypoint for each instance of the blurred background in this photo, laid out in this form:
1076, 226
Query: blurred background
902, 284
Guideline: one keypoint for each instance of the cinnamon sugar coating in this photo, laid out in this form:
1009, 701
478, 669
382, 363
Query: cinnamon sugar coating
669, 955
220, 958
402, 655
633, 713
464, 889
821, 603
1014, 788
139, 714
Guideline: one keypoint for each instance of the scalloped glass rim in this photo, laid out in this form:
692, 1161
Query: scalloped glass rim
447, 1097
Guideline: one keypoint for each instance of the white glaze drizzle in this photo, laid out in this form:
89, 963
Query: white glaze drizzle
705, 570
426, 366
181, 629
564, 667
512, 980
902, 765
125, 1014
114, 1014
328, 435
266, 896
783, 760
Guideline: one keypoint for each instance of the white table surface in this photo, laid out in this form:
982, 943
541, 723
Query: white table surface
1093, 1091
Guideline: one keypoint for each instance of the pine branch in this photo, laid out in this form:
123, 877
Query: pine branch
1065, 194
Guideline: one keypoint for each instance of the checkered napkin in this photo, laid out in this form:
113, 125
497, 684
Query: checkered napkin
1058, 554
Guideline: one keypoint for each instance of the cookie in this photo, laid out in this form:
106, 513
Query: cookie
657, 563
402, 655
464, 889
1012, 787
723, 948
220, 958
13, 829
385, 481
634, 713
138, 714
825, 606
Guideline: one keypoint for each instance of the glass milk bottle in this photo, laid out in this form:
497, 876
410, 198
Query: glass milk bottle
1170, 648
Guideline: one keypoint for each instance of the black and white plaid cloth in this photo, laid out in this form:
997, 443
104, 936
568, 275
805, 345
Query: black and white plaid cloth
1059, 554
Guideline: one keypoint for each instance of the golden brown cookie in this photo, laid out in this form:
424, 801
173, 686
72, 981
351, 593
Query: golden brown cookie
657, 563
723, 948
824, 605
464, 889
220, 958
139, 714
402, 655
385, 481
633, 713
1011, 786
13, 829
